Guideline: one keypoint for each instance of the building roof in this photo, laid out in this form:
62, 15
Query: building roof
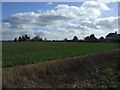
113, 36
110, 34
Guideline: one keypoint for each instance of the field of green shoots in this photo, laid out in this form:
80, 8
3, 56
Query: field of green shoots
19, 53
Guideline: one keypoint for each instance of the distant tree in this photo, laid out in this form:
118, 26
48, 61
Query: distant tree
92, 36
101, 38
45, 39
65, 39
23, 38
15, 40
53, 40
27, 38
20, 39
40, 39
75, 38
87, 38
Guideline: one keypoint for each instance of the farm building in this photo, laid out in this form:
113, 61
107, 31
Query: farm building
37, 38
113, 37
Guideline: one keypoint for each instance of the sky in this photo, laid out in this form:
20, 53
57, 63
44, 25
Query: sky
58, 20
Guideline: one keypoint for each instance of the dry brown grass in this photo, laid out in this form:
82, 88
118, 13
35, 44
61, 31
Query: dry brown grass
57, 73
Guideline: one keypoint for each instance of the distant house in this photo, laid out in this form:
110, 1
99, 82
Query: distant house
37, 38
113, 37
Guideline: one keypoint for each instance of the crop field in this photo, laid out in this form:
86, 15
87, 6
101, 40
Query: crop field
19, 53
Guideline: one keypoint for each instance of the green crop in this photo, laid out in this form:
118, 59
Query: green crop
18, 53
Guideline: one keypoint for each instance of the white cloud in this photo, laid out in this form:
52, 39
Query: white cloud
99, 27
90, 9
102, 23
107, 1
50, 3
60, 14
24, 23
92, 4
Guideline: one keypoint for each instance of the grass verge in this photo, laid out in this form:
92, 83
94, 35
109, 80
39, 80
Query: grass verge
107, 77
58, 73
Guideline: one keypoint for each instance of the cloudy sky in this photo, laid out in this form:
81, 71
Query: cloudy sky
59, 20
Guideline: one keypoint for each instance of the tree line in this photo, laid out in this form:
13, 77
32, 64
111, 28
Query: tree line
111, 37
26, 38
